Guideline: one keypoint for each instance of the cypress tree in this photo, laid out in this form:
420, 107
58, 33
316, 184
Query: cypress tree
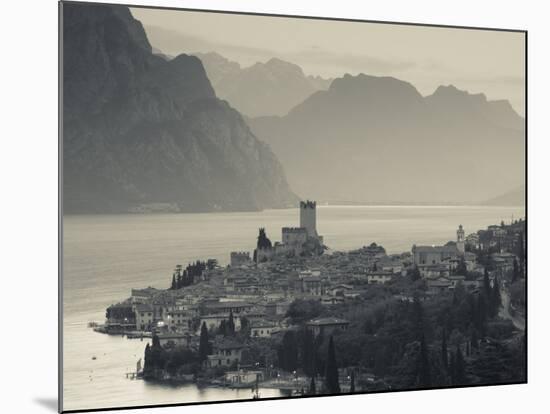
331, 373
418, 317
231, 324
312, 390
223, 328
380, 362
289, 352
204, 345
496, 299
147, 363
173, 286
515, 273
481, 314
444, 352
308, 353
460, 369
486, 285
424, 374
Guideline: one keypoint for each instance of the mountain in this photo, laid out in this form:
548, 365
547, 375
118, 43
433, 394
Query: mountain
142, 132
270, 88
377, 139
515, 197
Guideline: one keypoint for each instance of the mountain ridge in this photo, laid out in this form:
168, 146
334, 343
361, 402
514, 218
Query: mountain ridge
263, 88
143, 133
396, 145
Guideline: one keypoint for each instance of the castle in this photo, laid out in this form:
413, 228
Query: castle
295, 241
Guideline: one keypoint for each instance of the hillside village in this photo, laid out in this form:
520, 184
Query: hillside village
297, 316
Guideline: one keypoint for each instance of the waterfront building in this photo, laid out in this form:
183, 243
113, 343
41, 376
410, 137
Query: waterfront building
144, 316
243, 377
226, 353
178, 320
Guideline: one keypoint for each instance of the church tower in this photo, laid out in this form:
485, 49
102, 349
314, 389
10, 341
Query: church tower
460, 240
308, 219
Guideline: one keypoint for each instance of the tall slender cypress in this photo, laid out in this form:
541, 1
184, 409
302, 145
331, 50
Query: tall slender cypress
444, 352
331, 373
204, 345
424, 374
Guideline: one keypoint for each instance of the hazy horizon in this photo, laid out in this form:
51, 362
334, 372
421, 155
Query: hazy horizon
427, 57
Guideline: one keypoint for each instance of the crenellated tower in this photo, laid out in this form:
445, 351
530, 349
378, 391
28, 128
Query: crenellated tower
308, 217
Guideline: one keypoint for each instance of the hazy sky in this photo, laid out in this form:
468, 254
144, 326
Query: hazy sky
474, 60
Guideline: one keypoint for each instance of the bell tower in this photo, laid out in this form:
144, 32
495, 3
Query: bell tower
460, 239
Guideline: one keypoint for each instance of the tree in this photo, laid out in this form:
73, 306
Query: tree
380, 362
222, 329
459, 371
312, 390
147, 362
461, 267
288, 352
231, 324
418, 317
480, 315
302, 310
331, 374
474, 338
173, 286
423, 373
496, 299
415, 273
444, 352
352, 385
263, 240
204, 344
245, 326
515, 272
308, 352
486, 285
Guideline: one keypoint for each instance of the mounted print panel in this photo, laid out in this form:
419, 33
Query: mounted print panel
258, 207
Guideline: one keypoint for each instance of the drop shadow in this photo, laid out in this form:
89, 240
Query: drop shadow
49, 403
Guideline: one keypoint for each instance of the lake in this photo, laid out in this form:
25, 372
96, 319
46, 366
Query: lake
106, 255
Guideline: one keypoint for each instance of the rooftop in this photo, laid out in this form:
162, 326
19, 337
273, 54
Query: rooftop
327, 321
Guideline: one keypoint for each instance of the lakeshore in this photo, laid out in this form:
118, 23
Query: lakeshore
394, 228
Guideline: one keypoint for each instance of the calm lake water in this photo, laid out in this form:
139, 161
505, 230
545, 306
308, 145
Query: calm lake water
106, 255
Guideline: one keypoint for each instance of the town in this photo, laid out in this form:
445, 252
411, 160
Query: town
296, 316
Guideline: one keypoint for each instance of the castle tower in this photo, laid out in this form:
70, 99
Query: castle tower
308, 220
460, 239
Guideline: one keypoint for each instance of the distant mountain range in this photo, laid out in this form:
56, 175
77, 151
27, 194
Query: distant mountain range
515, 197
270, 88
144, 132
376, 139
